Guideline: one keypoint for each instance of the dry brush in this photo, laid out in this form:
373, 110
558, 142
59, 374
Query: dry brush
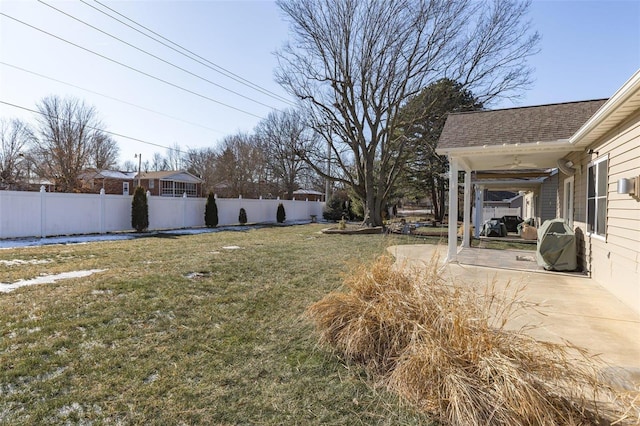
445, 348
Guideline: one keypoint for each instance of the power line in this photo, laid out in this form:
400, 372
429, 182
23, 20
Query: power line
130, 67
109, 97
120, 135
201, 60
155, 56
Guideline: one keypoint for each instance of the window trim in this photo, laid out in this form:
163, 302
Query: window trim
594, 163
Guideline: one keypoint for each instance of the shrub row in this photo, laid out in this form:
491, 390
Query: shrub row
140, 212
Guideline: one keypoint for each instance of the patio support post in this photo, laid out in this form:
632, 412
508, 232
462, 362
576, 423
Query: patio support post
466, 223
479, 210
452, 253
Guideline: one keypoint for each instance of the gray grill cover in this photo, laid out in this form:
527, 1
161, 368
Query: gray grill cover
556, 246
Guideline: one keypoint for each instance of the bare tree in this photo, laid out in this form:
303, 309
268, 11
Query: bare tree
105, 151
240, 167
353, 64
283, 136
129, 166
67, 132
202, 163
159, 163
15, 136
174, 157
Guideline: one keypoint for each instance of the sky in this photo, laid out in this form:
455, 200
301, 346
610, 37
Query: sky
588, 50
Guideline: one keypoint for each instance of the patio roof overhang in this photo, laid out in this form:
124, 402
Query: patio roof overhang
514, 185
538, 155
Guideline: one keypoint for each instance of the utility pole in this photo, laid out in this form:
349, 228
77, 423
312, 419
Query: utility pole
139, 157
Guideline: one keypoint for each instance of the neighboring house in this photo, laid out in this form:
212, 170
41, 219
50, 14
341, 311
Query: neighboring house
594, 147
112, 181
172, 183
509, 199
308, 194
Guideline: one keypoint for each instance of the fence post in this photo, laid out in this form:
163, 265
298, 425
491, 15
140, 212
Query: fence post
102, 211
184, 209
43, 211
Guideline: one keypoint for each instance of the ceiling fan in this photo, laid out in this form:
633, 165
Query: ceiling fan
517, 163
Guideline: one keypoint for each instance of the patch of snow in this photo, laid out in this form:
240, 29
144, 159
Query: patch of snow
78, 239
232, 247
47, 279
67, 410
83, 239
197, 275
151, 378
25, 262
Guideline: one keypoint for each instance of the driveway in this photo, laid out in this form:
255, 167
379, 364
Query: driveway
564, 307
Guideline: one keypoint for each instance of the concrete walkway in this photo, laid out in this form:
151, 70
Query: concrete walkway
564, 307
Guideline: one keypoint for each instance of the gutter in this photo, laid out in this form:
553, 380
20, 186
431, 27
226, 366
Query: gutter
631, 87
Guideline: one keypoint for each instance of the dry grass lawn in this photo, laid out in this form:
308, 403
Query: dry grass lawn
181, 330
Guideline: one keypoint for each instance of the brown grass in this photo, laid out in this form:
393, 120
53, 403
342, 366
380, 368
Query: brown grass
445, 349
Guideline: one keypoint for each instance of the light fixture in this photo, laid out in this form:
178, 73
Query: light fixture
591, 152
629, 186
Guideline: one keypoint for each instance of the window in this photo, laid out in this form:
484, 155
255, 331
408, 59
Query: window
176, 189
152, 183
597, 197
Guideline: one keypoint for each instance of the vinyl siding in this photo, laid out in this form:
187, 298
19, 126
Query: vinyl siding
614, 261
549, 199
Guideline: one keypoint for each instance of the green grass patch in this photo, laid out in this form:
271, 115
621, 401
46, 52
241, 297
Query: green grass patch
180, 330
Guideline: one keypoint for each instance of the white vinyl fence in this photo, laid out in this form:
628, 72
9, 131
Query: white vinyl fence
43, 214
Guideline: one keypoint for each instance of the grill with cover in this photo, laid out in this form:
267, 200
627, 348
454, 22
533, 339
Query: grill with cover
556, 246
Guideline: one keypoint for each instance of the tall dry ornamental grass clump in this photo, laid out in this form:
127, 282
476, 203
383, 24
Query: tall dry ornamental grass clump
445, 349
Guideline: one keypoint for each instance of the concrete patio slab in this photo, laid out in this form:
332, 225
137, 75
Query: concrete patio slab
562, 307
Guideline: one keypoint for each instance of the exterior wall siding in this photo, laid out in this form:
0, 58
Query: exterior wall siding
614, 261
548, 199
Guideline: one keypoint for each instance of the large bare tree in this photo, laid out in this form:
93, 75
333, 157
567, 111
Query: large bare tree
202, 163
283, 135
67, 134
240, 168
15, 136
104, 152
353, 64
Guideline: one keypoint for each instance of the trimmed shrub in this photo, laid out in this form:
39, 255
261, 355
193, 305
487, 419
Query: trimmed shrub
242, 217
139, 210
280, 214
211, 211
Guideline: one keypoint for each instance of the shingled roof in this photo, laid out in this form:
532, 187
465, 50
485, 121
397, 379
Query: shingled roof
543, 123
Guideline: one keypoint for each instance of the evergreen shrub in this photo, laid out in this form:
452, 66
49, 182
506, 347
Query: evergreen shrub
242, 217
211, 211
139, 210
280, 214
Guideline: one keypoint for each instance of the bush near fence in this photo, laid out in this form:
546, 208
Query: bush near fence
43, 214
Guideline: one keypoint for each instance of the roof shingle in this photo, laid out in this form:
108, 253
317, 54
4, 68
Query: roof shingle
543, 123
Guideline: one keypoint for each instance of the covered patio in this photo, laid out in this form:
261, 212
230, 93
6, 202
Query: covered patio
555, 307
517, 149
